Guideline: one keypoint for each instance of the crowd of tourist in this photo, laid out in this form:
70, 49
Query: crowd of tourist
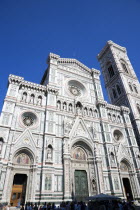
91, 205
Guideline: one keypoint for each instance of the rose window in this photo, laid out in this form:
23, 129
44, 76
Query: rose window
28, 121
29, 118
75, 90
118, 135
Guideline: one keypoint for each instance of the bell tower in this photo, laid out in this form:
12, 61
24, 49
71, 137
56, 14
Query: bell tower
121, 81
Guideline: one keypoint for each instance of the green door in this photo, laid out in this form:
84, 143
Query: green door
81, 185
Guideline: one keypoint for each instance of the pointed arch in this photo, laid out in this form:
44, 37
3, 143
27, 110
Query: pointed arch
23, 156
118, 89
125, 165
114, 93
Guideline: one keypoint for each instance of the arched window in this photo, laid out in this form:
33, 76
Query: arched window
111, 71
39, 100
130, 86
48, 183
24, 96
1, 143
124, 67
118, 89
114, 93
135, 88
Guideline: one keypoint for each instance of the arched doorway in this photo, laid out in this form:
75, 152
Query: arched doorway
126, 175
22, 162
18, 189
83, 174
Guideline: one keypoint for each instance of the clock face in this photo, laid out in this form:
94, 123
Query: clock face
75, 91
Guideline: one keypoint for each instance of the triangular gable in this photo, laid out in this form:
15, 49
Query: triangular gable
25, 140
73, 62
123, 153
80, 129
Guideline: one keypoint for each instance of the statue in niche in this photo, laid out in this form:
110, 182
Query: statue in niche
70, 107
39, 101
112, 158
78, 109
64, 106
24, 96
49, 154
94, 185
32, 99
67, 126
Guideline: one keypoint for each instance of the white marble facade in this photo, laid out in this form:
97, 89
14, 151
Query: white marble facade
64, 127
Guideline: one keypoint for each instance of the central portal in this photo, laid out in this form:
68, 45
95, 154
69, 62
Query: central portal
18, 189
127, 189
81, 185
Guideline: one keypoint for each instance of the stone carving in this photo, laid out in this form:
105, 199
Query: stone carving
93, 185
116, 183
49, 153
67, 126
80, 131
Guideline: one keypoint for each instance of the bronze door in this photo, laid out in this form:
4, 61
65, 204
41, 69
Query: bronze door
81, 185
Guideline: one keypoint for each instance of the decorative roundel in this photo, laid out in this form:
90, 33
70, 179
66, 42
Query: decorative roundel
118, 136
29, 118
76, 88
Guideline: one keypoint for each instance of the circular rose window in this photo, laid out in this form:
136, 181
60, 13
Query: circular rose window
29, 118
75, 91
76, 88
118, 136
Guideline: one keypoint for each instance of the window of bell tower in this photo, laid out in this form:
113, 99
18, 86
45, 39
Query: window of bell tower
111, 71
114, 93
124, 67
118, 89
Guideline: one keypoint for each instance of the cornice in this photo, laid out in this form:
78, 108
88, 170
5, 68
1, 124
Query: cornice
25, 84
52, 56
73, 62
113, 107
107, 46
125, 109
101, 103
95, 72
52, 90
30, 85
13, 79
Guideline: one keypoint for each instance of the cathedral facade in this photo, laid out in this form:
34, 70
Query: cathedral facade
60, 140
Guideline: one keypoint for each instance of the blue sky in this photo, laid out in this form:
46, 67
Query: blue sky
31, 29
